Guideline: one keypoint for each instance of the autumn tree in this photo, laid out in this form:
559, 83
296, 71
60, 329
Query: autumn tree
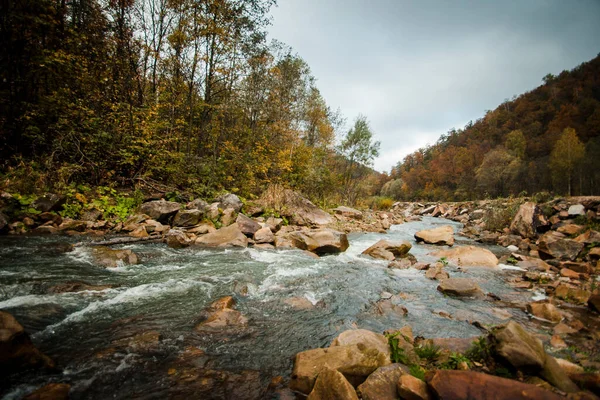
566, 156
497, 172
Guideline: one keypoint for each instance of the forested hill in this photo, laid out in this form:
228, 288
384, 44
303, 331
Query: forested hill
547, 139
184, 93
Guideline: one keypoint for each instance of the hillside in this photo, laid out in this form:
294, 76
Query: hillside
510, 149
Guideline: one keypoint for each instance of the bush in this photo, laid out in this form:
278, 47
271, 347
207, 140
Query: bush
429, 352
380, 203
500, 217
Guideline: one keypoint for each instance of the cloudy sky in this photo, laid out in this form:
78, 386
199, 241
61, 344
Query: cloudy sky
418, 68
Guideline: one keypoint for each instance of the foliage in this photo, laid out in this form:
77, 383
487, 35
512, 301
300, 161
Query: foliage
429, 352
511, 260
566, 156
498, 218
380, 203
397, 353
417, 371
454, 360
479, 351
443, 261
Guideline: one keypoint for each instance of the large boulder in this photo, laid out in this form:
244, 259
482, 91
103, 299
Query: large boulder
177, 239
469, 256
17, 352
387, 250
111, 258
354, 361
198, 204
557, 245
442, 235
332, 385
187, 218
366, 338
229, 200
230, 236
460, 287
529, 221
296, 208
381, 384
160, 210
247, 225
348, 212
460, 385
320, 241
49, 202
411, 388
264, 235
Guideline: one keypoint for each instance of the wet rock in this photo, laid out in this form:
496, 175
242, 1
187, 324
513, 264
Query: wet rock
443, 235
381, 384
354, 362
411, 388
229, 200
387, 250
51, 391
299, 303
77, 286
556, 245
460, 287
17, 352
160, 210
247, 225
177, 239
367, 339
331, 384
264, 235
390, 306
185, 218
228, 217
110, 258
348, 212
572, 294
436, 271
469, 256
141, 342
49, 202
230, 236
403, 263
222, 318
545, 310
528, 221
460, 385
321, 241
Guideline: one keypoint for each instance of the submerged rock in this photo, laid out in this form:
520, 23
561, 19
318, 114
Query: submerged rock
17, 352
110, 258
69, 287
387, 250
443, 235
222, 318
51, 391
469, 256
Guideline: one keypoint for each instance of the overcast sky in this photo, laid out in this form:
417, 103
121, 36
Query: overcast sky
418, 68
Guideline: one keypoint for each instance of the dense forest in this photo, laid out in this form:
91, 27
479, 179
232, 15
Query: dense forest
183, 93
547, 139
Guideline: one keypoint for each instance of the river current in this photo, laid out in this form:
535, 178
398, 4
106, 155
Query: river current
167, 291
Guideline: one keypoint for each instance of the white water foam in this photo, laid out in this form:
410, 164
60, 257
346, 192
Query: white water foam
511, 267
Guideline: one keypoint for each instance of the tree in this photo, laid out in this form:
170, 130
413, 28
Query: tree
359, 151
516, 143
568, 152
497, 171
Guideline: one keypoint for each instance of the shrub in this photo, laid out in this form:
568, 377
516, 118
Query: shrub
428, 352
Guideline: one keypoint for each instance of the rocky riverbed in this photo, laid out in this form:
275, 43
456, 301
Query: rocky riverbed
220, 300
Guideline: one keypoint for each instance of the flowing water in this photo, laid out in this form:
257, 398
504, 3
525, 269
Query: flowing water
168, 290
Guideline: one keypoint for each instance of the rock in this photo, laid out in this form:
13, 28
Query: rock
248, 226
588, 381
459, 345
176, 239
72, 225
51, 391
3, 223
202, 229
366, 338
274, 224
469, 256
526, 353
332, 385
403, 263
297, 209
230, 236
69, 287
576, 209
567, 273
545, 310
437, 272
49, 202
570, 229
187, 218
264, 235
582, 268
348, 212
139, 232
588, 237
389, 306
411, 388
556, 245
198, 204
299, 303
443, 235
460, 385
230, 200
228, 217
160, 210
528, 221
387, 250
222, 318
17, 352
213, 212
141, 342
594, 302
533, 264
381, 384
557, 342
45, 230
91, 215
321, 241
110, 258
354, 362
568, 367
460, 287
572, 294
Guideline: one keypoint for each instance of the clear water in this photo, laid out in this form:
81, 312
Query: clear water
169, 289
